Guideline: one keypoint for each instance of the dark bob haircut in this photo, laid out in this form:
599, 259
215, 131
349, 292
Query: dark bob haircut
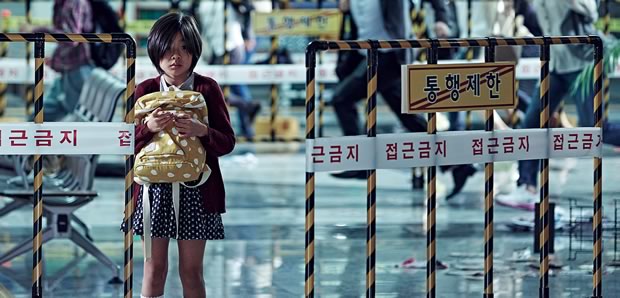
162, 36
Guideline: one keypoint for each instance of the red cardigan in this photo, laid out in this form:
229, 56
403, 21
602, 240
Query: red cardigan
219, 141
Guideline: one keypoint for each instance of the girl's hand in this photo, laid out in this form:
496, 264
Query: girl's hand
158, 120
189, 127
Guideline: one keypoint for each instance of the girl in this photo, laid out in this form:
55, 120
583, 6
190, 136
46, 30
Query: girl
174, 47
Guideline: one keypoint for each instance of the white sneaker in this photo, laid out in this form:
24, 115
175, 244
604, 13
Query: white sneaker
521, 198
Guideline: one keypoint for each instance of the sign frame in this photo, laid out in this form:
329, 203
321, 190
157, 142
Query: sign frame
506, 99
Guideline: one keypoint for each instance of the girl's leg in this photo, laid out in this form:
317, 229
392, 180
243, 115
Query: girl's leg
191, 253
155, 269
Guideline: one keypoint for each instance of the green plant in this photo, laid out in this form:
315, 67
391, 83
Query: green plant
584, 82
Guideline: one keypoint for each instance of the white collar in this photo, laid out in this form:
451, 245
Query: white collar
188, 85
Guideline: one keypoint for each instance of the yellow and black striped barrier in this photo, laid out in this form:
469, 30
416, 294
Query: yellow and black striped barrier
40, 39
321, 86
310, 136
432, 46
489, 57
28, 52
431, 198
597, 222
606, 20
418, 23
6, 14
544, 173
37, 210
274, 88
371, 175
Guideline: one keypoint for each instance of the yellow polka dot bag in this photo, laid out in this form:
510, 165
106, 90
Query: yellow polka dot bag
169, 157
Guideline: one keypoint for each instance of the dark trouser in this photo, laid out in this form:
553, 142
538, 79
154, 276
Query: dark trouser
559, 87
353, 88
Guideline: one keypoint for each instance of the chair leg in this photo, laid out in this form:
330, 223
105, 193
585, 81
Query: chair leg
12, 206
90, 248
80, 223
25, 246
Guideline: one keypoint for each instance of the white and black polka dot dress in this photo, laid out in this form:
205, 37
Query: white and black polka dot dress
195, 223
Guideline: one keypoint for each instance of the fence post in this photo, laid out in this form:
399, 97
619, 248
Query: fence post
321, 87
431, 196
28, 51
37, 211
606, 80
544, 172
488, 193
6, 14
274, 88
129, 161
310, 135
371, 175
597, 224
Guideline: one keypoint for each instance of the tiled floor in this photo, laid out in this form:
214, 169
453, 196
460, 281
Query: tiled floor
263, 254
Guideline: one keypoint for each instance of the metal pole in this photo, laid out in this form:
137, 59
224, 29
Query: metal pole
274, 88
488, 194
6, 14
130, 46
597, 222
606, 80
29, 97
544, 173
37, 211
371, 175
310, 109
431, 196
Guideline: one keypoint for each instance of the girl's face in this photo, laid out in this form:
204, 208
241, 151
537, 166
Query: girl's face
177, 60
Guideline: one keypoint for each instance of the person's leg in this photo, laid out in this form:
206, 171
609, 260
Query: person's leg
389, 85
528, 169
156, 269
191, 253
346, 94
457, 123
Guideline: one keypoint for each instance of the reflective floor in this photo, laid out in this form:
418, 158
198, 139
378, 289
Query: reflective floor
263, 254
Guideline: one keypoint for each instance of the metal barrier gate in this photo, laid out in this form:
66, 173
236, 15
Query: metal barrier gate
39, 40
432, 45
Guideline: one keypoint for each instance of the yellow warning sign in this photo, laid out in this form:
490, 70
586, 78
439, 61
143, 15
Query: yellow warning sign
458, 87
324, 22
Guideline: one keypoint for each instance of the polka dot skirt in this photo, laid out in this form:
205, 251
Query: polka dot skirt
195, 223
